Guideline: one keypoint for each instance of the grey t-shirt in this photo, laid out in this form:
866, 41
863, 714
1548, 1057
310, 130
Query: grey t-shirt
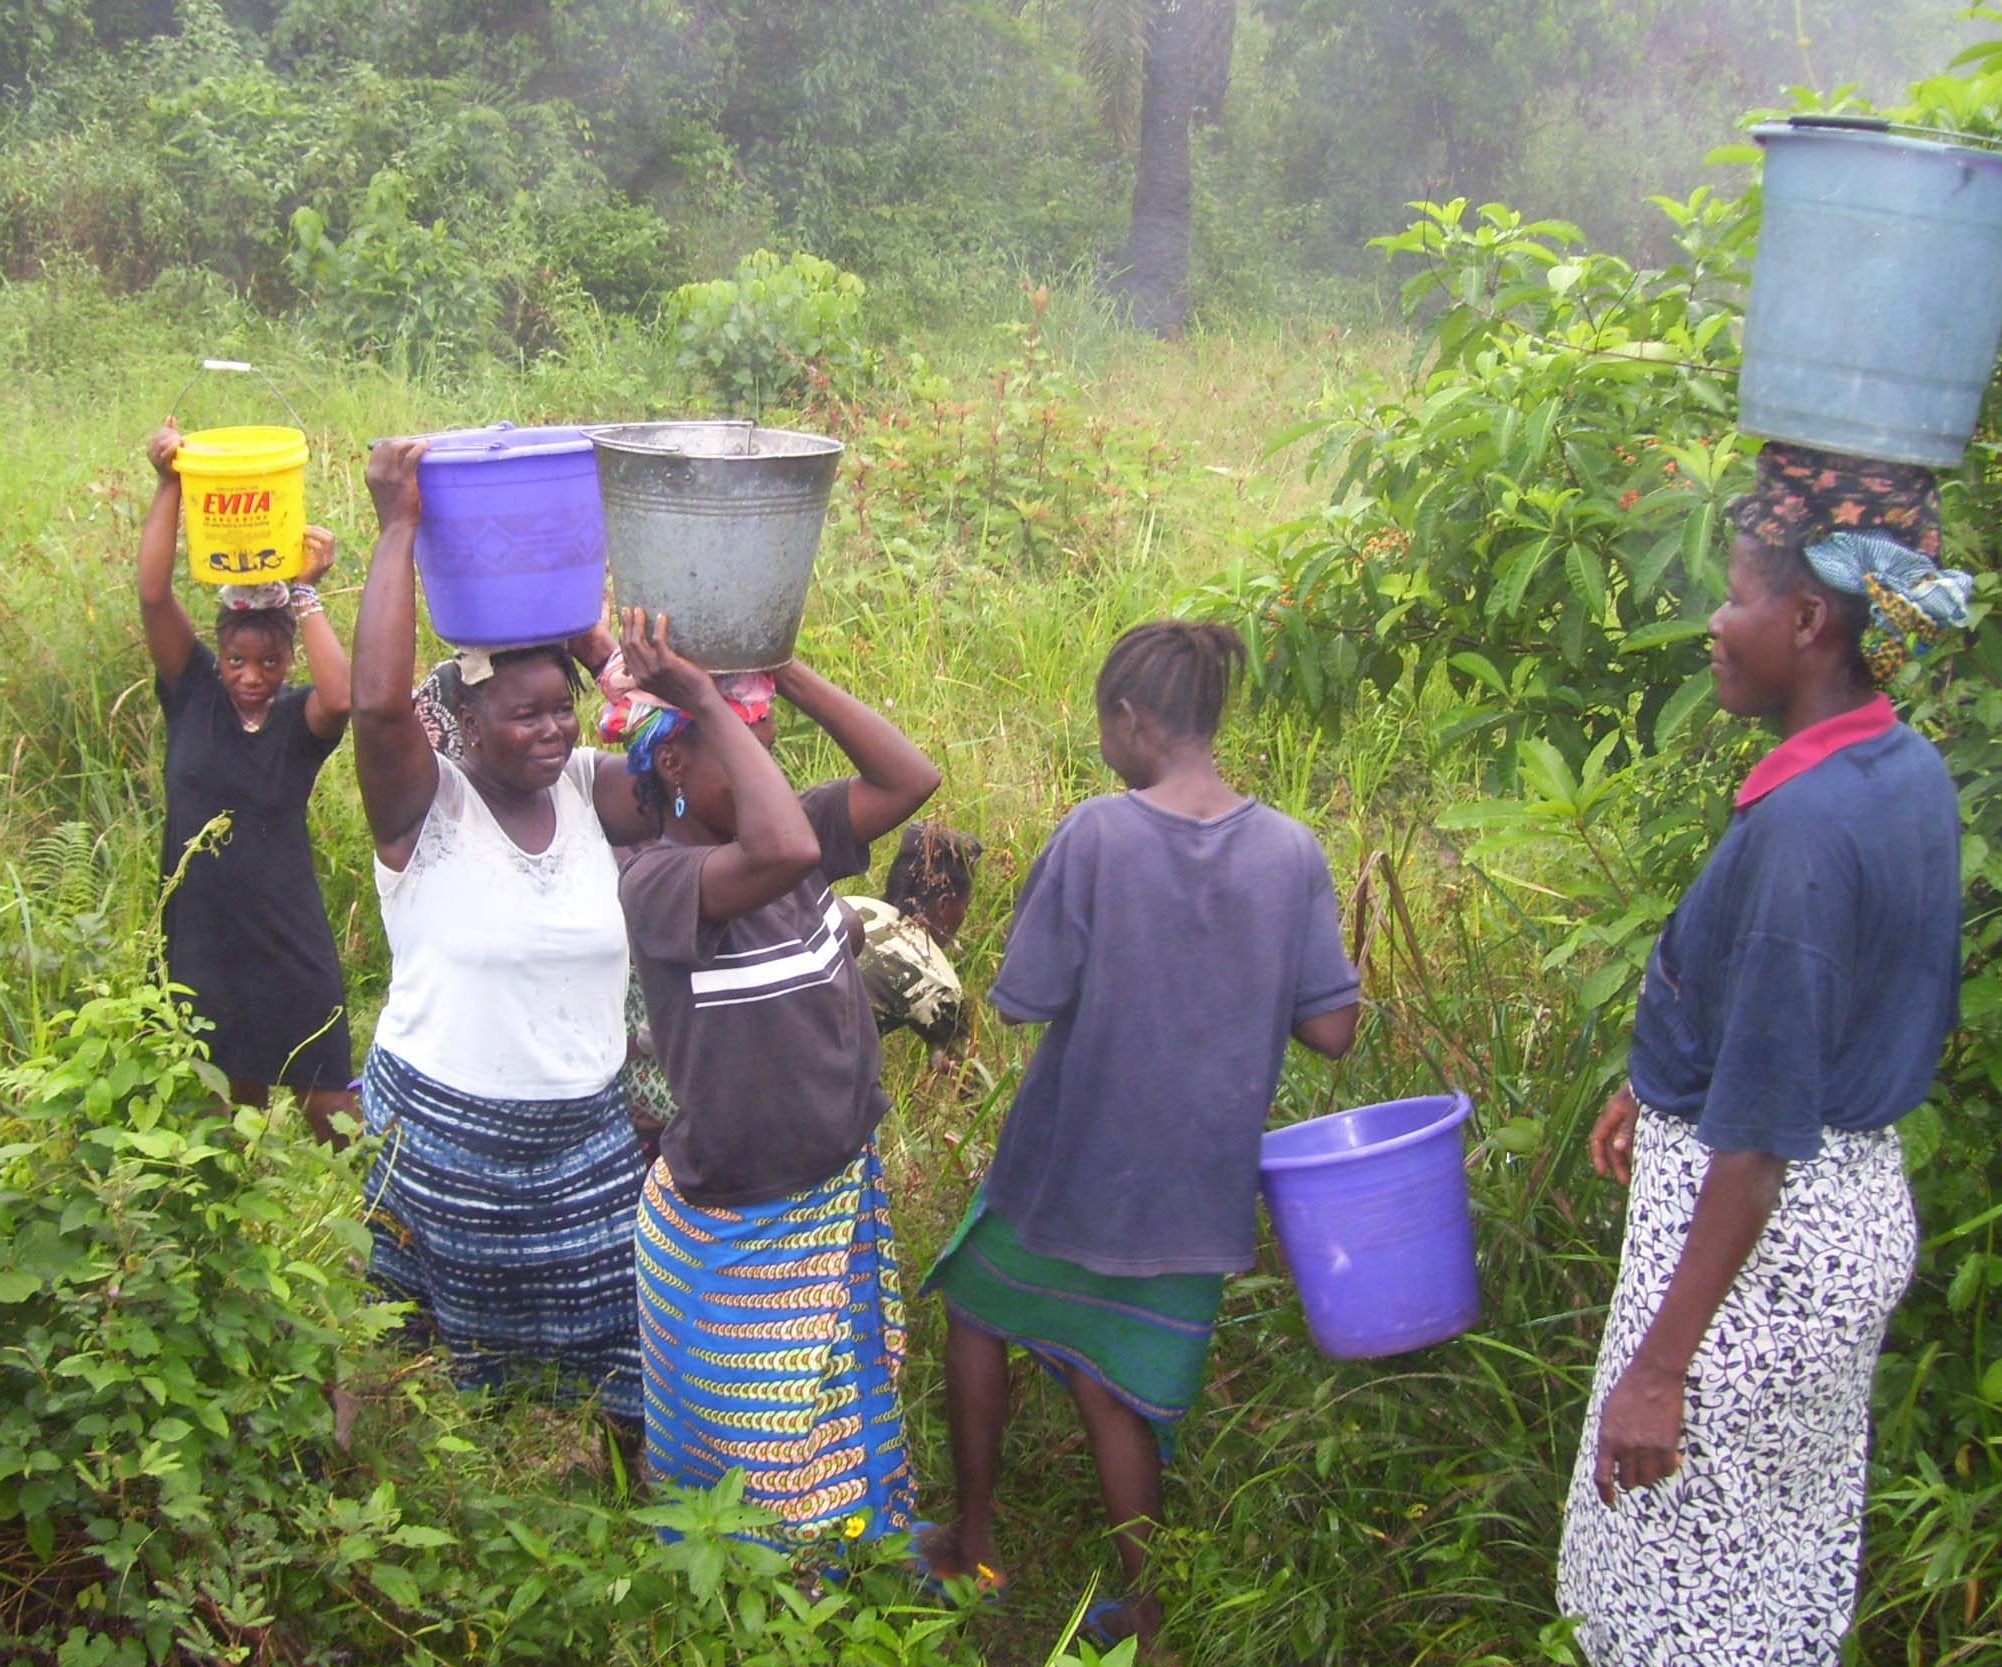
761, 1023
1171, 959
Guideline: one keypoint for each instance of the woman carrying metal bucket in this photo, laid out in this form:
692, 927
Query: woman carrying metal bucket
1794, 1008
246, 930
770, 1312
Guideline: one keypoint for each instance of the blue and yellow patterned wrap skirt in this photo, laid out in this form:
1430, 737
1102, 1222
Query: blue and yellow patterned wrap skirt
772, 1338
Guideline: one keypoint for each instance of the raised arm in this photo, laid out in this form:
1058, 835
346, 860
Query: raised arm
394, 763
775, 846
170, 634
893, 776
326, 661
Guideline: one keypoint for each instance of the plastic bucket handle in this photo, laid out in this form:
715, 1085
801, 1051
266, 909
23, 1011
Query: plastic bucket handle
239, 366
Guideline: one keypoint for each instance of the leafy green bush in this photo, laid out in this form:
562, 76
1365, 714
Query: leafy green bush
1536, 520
391, 283
91, 195
775, 330
176, 1317
1020, 469
207, 1454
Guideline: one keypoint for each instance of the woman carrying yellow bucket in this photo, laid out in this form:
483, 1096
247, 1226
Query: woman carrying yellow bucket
246, 930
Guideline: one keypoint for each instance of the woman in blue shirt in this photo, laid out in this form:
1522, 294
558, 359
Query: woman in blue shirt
1794, 1008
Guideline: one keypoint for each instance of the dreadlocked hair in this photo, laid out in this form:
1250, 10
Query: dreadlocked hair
932, 863
1180, 671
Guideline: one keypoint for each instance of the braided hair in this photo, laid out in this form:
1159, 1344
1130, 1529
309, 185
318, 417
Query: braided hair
651, 797
1180, 671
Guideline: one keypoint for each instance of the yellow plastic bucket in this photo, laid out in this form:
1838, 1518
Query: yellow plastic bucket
243, 496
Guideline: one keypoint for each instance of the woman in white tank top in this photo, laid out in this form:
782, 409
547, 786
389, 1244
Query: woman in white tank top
508, 1178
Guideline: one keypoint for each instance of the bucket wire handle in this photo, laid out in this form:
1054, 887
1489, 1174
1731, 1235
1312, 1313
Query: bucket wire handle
1883, 124
237, 365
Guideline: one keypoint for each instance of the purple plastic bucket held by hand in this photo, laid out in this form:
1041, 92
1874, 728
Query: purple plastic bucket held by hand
1370, 1207
511, 543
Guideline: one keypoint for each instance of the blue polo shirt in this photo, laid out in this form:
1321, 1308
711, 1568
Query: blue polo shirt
1810, 977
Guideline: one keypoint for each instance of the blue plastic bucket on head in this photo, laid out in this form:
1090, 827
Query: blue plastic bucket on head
511, 541
1370, 1207
1876, 302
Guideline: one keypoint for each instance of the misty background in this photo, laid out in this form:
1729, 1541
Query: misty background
449, 175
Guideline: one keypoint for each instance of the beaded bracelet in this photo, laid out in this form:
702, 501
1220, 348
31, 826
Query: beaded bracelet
305, 601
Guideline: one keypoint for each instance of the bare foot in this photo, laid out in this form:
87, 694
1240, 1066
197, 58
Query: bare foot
949, 1553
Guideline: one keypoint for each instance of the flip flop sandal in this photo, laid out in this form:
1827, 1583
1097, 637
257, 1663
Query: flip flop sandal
1093, 1625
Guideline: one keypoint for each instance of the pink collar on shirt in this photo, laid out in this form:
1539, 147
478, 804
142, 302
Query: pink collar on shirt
1798, 754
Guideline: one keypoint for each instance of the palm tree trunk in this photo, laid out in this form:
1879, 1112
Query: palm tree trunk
1153, 269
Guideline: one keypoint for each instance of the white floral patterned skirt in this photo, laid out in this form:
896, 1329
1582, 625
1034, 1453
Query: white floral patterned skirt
1748, 1553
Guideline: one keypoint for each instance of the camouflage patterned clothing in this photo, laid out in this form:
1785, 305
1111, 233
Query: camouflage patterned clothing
648, 1097
909, 980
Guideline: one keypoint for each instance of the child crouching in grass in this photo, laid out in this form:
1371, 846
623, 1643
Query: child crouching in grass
1172, 937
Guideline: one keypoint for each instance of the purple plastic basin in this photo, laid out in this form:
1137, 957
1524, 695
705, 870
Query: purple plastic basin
511, 546
1370, 1207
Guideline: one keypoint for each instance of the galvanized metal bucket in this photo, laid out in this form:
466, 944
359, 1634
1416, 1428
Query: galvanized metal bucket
716, 524
1876, 303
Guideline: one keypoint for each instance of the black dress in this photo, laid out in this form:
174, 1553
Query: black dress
246, 930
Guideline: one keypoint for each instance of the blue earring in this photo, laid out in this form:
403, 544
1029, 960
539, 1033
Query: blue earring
680, 805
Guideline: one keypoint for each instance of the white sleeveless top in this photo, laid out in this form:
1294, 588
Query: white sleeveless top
507, 971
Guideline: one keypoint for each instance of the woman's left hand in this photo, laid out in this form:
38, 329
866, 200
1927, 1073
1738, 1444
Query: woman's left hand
319, 555
1640, 1431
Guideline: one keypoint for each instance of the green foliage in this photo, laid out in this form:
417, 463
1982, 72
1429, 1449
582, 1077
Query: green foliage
391, 283
1536, 523
1574, 107
1024, 473
206, 1452
174, 1316
36, 35
776, 331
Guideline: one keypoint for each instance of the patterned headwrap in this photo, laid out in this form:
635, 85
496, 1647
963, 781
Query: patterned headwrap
1865, 528
641, 722
1914, 606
